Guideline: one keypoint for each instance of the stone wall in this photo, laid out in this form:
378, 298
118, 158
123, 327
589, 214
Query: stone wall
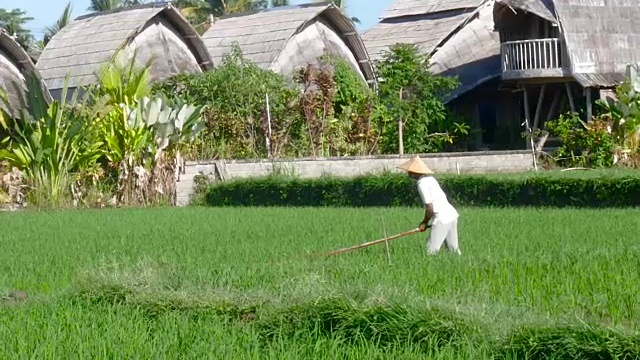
471, 162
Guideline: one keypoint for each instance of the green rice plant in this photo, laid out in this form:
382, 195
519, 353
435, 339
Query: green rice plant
245, 283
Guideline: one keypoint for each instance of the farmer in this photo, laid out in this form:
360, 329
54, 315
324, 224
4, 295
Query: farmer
439, 214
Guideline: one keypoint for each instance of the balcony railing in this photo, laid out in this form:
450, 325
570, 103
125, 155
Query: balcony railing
535, 55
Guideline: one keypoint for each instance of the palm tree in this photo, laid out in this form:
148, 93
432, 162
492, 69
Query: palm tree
342, 4
276, 3
63, 21
104, 5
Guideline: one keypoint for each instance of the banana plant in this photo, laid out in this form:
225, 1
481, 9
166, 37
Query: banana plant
625, 110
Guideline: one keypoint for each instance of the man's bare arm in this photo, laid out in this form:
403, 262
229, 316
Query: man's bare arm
428, 214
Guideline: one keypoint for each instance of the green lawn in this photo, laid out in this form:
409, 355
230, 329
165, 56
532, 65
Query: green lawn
235, 283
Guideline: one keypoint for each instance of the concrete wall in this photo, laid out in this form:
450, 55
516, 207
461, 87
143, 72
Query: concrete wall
472, 162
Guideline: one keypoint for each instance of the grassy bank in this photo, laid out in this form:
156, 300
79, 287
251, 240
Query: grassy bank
235, 282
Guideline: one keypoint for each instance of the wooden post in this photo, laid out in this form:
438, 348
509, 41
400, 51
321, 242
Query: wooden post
528, 128
570, 97
536, 119
386, 242
400, 132
527, 113
589, 104
554, 104
268, 137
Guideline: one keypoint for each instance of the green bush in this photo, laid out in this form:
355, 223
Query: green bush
399, 190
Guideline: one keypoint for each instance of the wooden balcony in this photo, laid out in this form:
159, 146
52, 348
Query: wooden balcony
530, 59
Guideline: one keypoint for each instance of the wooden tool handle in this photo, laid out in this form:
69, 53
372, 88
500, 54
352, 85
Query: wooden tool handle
394, 237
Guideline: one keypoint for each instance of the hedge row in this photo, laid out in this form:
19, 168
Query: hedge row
399, 190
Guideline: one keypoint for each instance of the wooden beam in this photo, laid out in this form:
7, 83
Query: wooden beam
570, 97
527, 115
536, 119
589, 104
554, 104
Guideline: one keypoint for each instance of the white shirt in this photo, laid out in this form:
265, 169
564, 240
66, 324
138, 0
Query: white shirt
431, 193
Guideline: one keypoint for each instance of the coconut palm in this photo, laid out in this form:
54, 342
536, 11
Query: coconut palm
104, 5
63, 21
108, 5
276, 3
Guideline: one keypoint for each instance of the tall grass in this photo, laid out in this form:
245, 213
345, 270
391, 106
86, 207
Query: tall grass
238, 283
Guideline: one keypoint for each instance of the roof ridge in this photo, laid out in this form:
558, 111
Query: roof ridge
150, 5
273, 9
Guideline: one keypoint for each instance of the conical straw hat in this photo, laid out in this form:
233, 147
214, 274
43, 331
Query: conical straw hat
416, 165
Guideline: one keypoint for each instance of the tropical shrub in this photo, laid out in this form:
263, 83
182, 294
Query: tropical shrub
115, 137
583, 144
613, 136
326, 109
410, 93
235, 95
47, 142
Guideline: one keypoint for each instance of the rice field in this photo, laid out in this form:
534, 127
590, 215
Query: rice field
241, 283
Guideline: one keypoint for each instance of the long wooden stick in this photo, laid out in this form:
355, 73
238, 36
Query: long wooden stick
386, 239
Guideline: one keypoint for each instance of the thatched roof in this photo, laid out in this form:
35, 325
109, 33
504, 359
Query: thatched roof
401, 8
14, 64
472, 53
541, 8
81, 47
602, 37
262, 35
457, 34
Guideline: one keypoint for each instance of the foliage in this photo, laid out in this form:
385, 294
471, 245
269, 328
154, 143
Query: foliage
14, 22
353, 129
399, 190
327, 109
235, 96
62, 21
583, 144
609, 138
624, 112
247, 281
115, 137
47, 142
139, 131
410, 93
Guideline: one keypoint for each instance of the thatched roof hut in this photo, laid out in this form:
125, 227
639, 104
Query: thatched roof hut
457, 35
158, 32
601, 37
15, 63
284, 39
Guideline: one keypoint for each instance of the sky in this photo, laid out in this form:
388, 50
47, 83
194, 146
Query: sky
46, 12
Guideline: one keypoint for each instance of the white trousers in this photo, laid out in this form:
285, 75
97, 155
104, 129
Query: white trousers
443, 232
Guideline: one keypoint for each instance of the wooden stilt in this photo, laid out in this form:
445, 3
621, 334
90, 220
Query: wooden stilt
527, 123
589, 104
554, 104
536, 119
570, 97
527, 115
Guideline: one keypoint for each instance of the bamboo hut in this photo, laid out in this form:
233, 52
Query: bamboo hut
285, 39
459, 39
157, 33
564, 54
15, 63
